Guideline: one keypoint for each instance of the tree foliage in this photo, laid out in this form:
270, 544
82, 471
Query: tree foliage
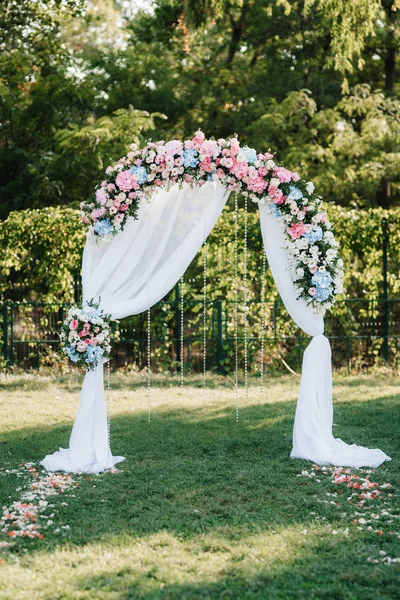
314, 80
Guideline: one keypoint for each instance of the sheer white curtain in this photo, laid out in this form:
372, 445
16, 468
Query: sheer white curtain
130, 274
140, 266
312, 434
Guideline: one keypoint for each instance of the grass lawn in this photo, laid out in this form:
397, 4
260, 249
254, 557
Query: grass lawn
202, 507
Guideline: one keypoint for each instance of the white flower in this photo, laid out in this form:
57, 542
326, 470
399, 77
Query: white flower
300, 215
340, 262
109, 203
302, 243
274, 181
321, 269
328, 235
121, 197
300, 272
310, 187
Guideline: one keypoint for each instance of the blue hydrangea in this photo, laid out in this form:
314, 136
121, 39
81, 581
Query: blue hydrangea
315, 235
92, 313
275, 211
322, 279
322, 293
295, 193
93, 354
250, 154
73, 354
190, 158
103, 228
141, 173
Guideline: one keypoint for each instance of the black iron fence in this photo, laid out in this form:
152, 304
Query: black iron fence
362, 333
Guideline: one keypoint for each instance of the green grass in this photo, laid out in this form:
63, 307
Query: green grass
202, 507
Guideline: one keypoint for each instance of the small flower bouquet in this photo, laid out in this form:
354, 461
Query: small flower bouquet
85, 335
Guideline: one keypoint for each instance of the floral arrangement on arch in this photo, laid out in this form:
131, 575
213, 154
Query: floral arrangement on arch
311, 244
85, 335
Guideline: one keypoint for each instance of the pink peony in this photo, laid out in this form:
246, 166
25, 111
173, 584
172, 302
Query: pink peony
125, 181
101, 196
257, 184
174, 147
284, 175
296, 230
239, 169
210, 148
73, 324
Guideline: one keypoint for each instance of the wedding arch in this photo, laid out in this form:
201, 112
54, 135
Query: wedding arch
147, 220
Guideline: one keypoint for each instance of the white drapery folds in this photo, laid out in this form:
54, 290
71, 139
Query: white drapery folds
312, 434
140, 266
130, 274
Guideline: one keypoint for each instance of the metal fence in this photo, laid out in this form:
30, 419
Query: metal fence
362, 333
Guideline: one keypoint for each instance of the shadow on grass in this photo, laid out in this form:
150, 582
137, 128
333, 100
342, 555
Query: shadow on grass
327, 568
188, 473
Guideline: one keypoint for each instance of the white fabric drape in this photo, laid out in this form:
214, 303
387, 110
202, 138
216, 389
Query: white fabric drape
312, 434
140, 266
130, 274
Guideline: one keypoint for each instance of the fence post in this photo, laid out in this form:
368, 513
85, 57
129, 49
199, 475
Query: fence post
385, 244
5, 332
219, 337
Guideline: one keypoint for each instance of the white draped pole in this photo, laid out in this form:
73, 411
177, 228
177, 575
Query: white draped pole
312, 434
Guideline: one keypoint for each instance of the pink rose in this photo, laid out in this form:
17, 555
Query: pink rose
276, 194
93, 341
81, 346
87, 341
123, 207
199, 137
296, 230
125, 181
85, 220
119, 218
313, 269
113, 210
73, 324
312, 291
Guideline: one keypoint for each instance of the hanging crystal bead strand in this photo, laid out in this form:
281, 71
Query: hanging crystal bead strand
148, 364
204, 319
262, 320
246, 369
108, 404
181, 289
236, 313
181, 331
